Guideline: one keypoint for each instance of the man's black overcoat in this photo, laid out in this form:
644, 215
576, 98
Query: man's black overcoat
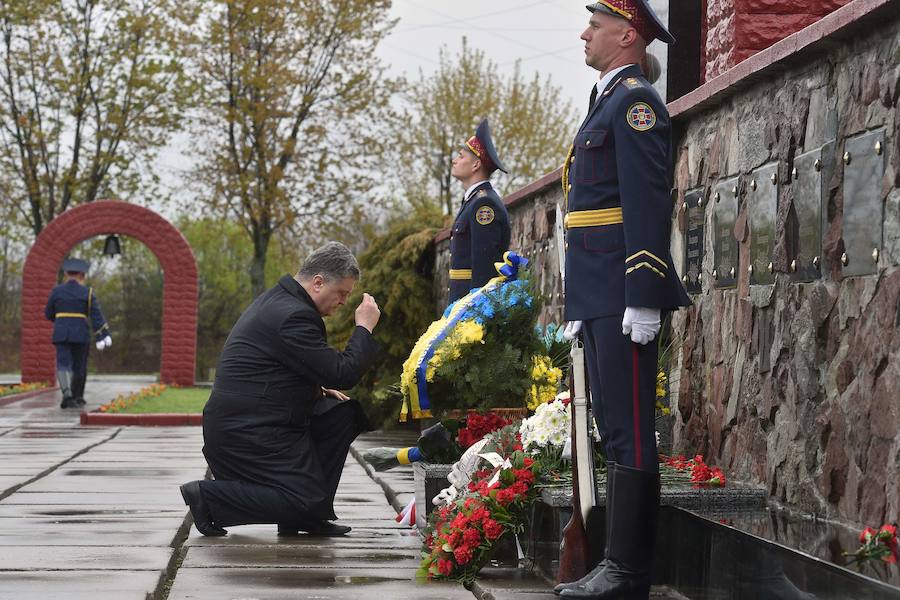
256, 424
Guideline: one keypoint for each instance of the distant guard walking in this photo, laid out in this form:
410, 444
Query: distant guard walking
75, 312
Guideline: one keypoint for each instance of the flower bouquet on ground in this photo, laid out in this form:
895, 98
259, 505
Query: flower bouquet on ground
701, 474
876, 544
443, 442
462, 535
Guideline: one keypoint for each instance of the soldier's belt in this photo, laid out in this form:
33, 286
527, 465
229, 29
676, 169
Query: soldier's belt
460, 273
593, 218
73, 315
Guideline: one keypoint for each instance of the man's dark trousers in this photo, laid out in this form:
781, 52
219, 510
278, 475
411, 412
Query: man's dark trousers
235, 502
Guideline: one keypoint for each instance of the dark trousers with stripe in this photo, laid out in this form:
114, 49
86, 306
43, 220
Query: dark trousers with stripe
623, 392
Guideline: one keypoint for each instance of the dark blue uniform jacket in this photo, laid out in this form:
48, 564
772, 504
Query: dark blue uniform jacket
75, 311
620, 159
479, 238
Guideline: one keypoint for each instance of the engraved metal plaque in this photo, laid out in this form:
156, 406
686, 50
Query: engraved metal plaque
807, 183
762, 198
863, 209
695, 205
725, 246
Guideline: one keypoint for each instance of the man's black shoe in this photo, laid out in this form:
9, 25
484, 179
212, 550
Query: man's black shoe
315, 528
79, 401
68, 403
202, 519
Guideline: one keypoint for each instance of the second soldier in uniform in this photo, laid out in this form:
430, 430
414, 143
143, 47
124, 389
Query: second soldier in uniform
480, 233
620, 280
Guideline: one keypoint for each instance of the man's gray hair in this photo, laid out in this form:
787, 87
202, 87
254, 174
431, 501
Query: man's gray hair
333, 261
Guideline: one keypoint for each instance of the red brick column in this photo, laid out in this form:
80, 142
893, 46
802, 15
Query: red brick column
738, 29
179, 326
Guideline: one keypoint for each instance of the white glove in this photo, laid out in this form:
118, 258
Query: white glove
104, 343
641, 323
571, 330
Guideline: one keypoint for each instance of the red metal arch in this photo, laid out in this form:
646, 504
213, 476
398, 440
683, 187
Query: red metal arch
179, 315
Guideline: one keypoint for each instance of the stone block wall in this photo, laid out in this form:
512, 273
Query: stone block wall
815, 416
797, 385
738, 29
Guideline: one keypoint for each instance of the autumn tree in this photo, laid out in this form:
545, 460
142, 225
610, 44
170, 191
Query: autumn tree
89, 89
292, 99
529, 121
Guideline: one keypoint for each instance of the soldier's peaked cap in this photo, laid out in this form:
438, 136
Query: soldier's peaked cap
639, 14
75, 265
482, 145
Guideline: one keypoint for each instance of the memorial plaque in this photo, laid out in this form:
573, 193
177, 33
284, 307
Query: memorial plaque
725, 246
808, 185
762, 199
863, 209
695, 205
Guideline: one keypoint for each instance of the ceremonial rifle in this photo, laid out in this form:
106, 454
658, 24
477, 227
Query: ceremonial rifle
576, 558
574, 552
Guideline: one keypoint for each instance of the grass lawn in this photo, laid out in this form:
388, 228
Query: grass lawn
172, 400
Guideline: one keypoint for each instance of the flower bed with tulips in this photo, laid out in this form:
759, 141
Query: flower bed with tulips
21, 388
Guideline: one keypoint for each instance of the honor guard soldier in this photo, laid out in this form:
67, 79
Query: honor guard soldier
480, 233
75, 312
620, 280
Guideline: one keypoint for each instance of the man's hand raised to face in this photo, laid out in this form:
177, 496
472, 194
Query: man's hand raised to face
367, 313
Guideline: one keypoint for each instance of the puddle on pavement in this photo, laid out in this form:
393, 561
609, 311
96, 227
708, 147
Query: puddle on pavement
143, 473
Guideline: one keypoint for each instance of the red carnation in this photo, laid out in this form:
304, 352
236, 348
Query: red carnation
445, 567
462, 555
492, 529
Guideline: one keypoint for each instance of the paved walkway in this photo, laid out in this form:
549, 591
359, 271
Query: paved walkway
95, 513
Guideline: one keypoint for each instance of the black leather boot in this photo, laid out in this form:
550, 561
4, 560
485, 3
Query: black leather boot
78, 382
65, 386
600, 566
632, 515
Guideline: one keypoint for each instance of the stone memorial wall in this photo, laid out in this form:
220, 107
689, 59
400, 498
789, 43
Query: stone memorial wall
786, 230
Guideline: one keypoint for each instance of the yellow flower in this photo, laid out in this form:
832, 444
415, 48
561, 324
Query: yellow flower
545, 380
661, 381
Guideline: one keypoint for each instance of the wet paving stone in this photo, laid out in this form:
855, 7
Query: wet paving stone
168, 496
298, 556
250, 536
78, 585
324, 584
81, 557
17, 511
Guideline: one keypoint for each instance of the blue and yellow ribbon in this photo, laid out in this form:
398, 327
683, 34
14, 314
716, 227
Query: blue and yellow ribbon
406, 456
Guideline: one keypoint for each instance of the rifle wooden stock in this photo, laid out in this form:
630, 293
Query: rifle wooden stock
574, 549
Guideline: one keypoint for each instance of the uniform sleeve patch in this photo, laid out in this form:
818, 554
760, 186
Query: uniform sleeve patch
640, 116
485, 215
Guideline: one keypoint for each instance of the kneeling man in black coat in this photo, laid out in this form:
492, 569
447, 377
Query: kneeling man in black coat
276, 430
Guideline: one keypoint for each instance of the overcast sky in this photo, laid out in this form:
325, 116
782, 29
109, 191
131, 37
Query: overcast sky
542, 34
